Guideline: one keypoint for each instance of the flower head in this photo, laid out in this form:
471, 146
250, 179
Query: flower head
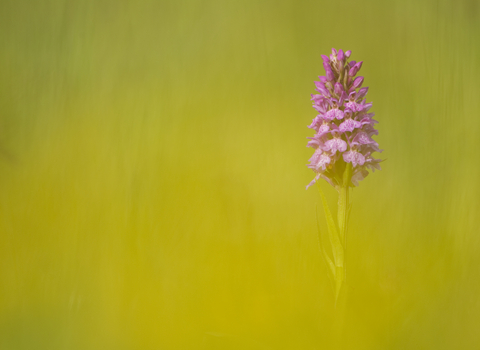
343, 127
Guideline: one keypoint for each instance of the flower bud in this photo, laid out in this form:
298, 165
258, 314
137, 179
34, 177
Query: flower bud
338, 88
354, 70
341, 55
357, 82
330, 75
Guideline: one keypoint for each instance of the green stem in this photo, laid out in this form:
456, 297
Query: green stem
338, 236
342, 212
343, 205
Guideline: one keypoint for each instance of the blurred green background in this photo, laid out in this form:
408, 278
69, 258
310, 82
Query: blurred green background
152, 175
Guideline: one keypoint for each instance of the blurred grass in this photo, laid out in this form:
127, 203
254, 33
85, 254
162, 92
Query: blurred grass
153, 172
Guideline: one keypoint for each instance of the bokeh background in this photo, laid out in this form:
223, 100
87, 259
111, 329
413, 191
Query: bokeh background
152, 175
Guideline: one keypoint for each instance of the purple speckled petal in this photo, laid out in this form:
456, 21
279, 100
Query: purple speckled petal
319, 160
349, 125
334, 114
334, 145
323, 129
323, 161
363, 139
354, 157
354, 106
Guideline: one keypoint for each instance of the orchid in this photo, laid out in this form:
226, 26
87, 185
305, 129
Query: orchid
343, 146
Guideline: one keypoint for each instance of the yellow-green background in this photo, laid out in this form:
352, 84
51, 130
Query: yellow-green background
152, 175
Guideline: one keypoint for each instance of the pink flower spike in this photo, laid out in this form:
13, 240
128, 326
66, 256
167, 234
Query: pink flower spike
343, 126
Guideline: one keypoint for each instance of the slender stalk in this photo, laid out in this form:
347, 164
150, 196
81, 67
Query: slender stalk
337, 236
342, 211
336, 245
342, 217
